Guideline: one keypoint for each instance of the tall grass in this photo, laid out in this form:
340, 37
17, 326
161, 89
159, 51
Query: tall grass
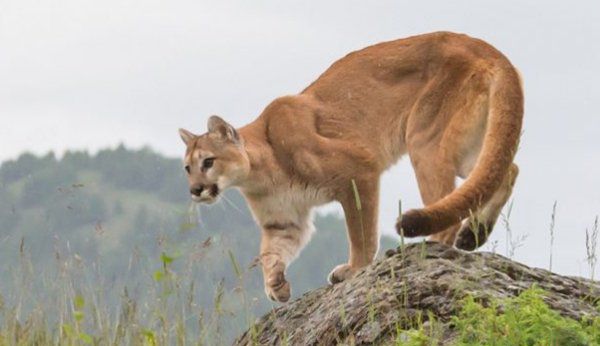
513, 241
73, 306
359, 210
591, 245
552, 223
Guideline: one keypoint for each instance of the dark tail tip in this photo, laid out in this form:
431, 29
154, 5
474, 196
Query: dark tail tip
414, 223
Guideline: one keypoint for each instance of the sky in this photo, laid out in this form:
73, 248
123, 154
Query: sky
84, 74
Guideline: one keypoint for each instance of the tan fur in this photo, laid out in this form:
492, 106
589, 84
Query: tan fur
453, 103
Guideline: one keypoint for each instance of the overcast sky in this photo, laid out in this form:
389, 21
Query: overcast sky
87, 74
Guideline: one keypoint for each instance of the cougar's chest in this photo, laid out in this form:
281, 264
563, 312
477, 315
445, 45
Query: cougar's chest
287, 207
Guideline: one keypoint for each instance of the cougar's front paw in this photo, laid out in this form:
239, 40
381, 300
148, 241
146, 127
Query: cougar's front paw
277, 288
340, 273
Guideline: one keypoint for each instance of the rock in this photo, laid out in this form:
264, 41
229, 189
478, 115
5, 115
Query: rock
417, 280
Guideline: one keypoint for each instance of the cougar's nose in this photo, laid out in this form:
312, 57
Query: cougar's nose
196, 190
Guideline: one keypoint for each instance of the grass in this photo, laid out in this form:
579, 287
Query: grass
522, 320
513, 242
74, 310
359, 211
552, 223
68, 299
76, 315
591, 244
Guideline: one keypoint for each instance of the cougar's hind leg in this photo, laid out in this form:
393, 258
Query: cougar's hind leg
476, 229
436, 178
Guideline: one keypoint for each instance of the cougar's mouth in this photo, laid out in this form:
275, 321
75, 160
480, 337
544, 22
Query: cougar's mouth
208, 196
214, 191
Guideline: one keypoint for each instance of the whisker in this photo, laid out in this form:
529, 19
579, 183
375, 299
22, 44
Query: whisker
232, 204
194, 214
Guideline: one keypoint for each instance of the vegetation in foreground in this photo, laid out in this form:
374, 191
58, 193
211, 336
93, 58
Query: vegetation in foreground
522, 320
105, 249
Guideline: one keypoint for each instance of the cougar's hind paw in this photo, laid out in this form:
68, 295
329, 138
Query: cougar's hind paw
470, 239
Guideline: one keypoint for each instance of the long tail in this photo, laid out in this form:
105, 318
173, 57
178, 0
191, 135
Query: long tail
499, 146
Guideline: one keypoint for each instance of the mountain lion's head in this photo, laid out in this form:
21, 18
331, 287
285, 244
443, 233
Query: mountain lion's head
214, 161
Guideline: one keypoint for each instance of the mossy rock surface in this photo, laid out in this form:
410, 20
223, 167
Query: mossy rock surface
412, 285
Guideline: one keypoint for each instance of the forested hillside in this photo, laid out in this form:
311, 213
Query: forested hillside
117, 227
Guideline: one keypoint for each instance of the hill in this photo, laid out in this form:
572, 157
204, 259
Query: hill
116, 228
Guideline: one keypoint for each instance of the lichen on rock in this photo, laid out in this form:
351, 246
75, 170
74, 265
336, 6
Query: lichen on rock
414, 283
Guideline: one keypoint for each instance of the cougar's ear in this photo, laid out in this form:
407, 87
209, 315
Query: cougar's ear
220, 127
186, 136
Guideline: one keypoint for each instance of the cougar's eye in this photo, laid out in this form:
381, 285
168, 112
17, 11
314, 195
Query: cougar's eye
187, 169
208, 163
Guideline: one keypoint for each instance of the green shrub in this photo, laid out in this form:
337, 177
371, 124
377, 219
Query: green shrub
523, 320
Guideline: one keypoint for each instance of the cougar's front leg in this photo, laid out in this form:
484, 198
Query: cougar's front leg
280, 244
360, 208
